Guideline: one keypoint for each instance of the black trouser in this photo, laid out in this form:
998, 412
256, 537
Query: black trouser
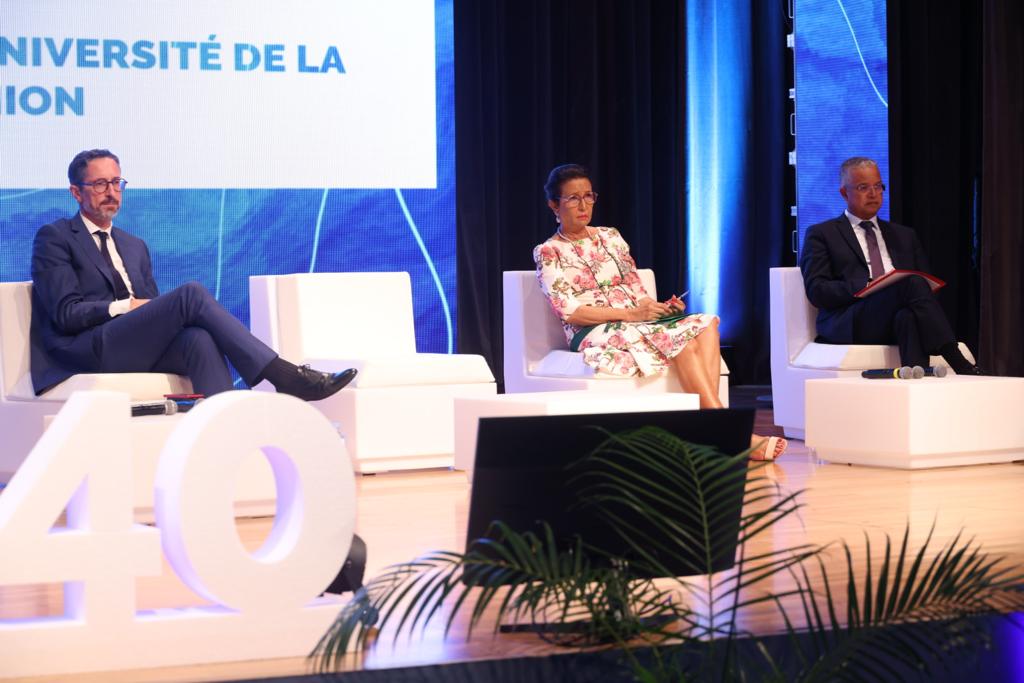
187, 332
350, 576
906, 314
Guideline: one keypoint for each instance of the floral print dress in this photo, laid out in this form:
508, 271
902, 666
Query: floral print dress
598, 271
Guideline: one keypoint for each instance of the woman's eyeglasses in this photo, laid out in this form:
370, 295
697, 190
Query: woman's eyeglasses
574, 200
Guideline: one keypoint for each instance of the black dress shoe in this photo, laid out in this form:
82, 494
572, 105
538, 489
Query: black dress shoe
313, 385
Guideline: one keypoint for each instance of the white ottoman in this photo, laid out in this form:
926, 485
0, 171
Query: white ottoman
911, 424
468, 411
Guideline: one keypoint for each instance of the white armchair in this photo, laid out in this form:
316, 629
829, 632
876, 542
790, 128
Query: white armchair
796, 357
398, 413
537, 357
22, 413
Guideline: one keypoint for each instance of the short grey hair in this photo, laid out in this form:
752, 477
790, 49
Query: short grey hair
854, 162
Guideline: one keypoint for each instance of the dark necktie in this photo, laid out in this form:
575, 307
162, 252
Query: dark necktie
120, 289
874, 255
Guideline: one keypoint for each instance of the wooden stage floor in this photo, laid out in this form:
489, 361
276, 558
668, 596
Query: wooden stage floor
402, 515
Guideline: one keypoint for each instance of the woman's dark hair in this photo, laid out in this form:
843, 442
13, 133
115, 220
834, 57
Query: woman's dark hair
559, 176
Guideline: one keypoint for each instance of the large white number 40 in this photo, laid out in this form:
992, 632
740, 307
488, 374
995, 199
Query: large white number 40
264, 603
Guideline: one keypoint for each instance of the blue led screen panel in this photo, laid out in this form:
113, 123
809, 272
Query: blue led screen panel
842, 98
257, 138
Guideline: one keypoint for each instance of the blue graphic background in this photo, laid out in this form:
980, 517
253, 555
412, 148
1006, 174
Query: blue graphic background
842, 97
221, 237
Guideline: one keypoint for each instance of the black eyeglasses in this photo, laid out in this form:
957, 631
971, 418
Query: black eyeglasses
864, 187
574, 200
100, 186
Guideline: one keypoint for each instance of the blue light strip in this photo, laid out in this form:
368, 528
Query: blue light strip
19, 194
860, 54
718, 95
220, 243
316, 233
433, 270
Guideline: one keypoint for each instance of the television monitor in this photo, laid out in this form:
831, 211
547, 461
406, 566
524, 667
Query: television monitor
521, 476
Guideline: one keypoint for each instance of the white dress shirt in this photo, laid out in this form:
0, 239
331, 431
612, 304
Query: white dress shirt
859, 232
124, 305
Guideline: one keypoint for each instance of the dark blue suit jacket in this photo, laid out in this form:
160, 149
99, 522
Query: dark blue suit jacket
72, 287
834, 268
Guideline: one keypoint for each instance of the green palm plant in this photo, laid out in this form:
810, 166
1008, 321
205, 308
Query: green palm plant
673, 504
914, 614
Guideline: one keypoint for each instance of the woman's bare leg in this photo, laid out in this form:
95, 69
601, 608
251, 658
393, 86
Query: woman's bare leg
699, 368
693, 375
709, 350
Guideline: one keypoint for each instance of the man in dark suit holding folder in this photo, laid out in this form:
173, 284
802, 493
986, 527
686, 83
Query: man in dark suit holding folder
96, 306
841, 256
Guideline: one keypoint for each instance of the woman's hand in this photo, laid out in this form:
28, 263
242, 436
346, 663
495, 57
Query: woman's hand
648, 309
676, 304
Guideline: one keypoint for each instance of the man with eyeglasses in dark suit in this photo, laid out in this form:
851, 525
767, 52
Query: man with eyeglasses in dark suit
839, 258
96, 307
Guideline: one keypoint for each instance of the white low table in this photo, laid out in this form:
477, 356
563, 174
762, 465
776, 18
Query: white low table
912, 424
468, 411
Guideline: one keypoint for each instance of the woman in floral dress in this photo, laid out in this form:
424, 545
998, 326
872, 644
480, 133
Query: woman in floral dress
592, 284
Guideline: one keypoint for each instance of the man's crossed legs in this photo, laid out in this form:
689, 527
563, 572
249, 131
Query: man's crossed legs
187, 332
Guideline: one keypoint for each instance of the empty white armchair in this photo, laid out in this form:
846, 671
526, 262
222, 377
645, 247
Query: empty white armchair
537, 357
796, 357
22, 413
398, 413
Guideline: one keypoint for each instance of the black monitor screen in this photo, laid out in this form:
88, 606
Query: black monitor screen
521, 475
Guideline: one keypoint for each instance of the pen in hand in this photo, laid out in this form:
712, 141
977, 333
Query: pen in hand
676, 302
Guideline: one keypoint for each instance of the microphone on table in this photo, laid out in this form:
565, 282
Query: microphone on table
906, 372
154, 408
166, 407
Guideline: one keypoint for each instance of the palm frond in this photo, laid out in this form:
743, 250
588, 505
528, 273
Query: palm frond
677, 507
511, 575
910, 613
667, 498
669, 505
